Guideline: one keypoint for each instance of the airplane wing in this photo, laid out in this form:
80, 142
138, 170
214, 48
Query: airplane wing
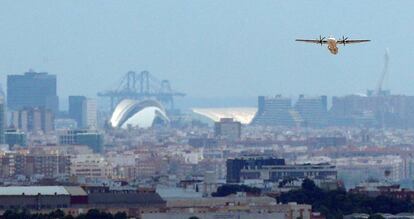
313, 41
352, 41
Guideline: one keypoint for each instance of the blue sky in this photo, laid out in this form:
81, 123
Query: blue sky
210, 48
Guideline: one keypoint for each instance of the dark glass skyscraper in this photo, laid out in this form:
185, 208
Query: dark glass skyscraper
32, 90
76, 109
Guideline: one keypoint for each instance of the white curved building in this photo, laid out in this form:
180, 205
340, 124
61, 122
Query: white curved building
142, 114
241, 114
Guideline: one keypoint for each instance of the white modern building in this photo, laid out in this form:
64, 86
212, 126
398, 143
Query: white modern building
89, 114
142, 114
275, 173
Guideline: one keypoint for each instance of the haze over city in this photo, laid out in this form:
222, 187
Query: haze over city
235, 48
191, 109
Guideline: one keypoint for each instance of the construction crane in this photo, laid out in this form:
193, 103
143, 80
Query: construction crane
383, 104
142, 86
379, 90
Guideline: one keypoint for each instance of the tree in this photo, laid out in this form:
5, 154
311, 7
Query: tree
334, 204
93, 214
57, 214
81, 216
376, 216
120, 215
308, 185
229, 189
16, 214
8, 214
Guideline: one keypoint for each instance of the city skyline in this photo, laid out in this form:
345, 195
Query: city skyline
206, 109
247, 53
183, 103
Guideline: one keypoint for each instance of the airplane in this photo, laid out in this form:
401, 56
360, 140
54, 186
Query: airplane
332, 42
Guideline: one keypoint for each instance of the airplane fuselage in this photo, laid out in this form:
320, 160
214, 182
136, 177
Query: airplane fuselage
332, 46
332, 43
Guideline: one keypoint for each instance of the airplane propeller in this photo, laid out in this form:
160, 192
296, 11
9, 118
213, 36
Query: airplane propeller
321, 39
344, 39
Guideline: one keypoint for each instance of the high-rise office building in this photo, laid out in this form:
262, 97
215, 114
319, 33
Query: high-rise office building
84, 111
2, 118
312, 110
23, 120
89, 114
48, 121
227, 129
32, 90
385, 110
33, 119
76, 109
275, 111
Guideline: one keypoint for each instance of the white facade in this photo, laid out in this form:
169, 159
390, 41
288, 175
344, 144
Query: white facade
132, 113
89, 114
90, 166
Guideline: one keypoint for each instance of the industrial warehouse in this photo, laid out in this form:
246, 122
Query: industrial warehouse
76, 199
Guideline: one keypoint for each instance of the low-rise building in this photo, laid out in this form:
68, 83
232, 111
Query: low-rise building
93, 139
34, 197
269, 169
125, 197
276, 173
47, 165
231, 207
75, 199
227, 129
234, 166
15, 137
90, 166
376, 188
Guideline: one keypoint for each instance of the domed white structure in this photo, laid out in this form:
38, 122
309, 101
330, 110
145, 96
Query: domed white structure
142, 114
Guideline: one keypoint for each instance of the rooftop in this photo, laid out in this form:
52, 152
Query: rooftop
33, 190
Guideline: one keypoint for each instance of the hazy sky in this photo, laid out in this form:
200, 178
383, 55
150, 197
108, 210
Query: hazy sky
209, 48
